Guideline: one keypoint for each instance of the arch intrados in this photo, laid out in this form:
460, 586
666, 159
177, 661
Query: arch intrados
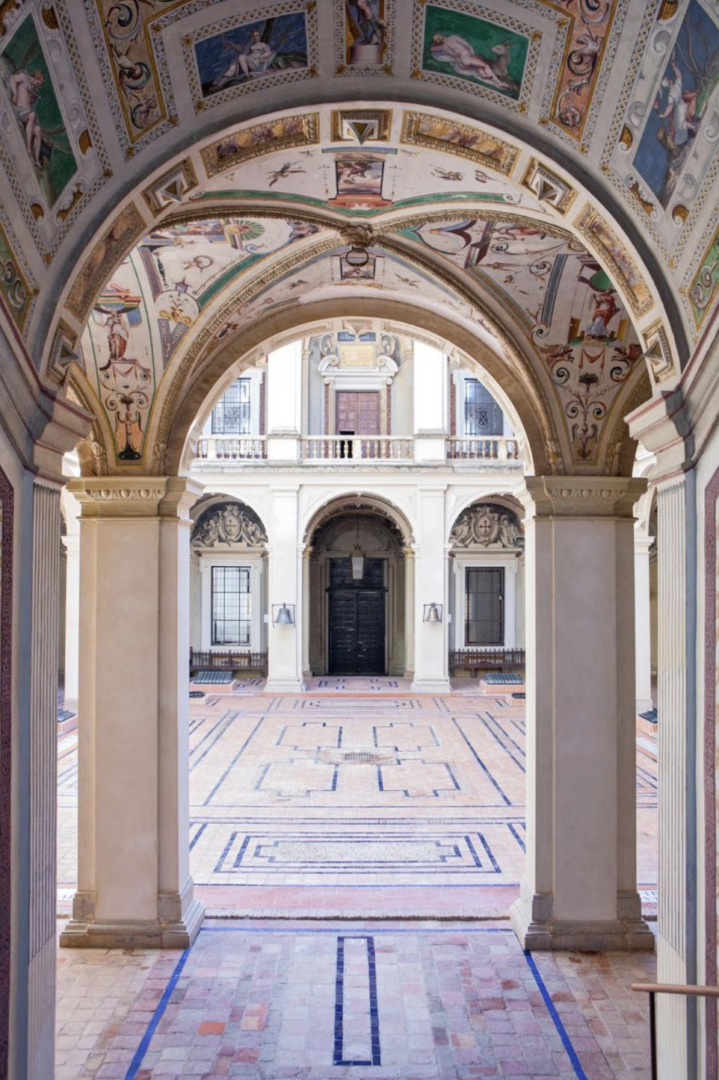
334, 505
528, 404
443, 103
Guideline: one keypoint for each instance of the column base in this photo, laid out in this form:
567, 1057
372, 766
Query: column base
431, 686
83, 932
284, 686
536, 928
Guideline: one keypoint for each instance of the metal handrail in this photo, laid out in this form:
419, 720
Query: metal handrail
667, 988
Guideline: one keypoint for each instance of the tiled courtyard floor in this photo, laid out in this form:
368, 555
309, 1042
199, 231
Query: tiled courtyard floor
350, 813
408, 1001
374, 804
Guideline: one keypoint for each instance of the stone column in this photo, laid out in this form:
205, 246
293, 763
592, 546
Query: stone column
285, 574
431, 572
642, 547
134, 884
72, 600
579, 886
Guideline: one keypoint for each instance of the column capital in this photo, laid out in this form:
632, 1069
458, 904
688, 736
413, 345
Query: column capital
581, 496
135, 496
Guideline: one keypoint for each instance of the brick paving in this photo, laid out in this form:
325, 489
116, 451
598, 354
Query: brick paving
323, 1001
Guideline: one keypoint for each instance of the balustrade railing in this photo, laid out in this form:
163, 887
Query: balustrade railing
347, 448
352, 448
232, 448
476, 448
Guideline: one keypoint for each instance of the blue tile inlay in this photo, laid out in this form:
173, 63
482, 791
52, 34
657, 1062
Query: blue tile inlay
376, 1058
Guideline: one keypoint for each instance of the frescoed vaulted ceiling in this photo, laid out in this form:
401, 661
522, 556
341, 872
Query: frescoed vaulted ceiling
540, 172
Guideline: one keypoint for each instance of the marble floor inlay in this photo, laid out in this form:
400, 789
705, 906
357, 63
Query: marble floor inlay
377, 803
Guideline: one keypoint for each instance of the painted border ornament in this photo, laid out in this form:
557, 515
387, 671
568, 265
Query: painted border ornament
604, 240
284, 133
464, 140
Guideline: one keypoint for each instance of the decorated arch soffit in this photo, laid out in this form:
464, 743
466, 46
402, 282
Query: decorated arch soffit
457, 221
98, 95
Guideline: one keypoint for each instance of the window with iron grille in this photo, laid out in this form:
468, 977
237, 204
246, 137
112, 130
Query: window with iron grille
482, 414
231, 415
231, 605
484, 606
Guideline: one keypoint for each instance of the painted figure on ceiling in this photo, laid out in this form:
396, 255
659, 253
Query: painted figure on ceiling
253, 59
680, 108
460, 55
25, 93
364, 15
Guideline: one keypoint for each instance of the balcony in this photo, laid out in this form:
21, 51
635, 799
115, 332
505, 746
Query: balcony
353, 451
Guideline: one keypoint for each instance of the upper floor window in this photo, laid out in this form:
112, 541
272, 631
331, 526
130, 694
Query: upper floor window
232, 415
482, 414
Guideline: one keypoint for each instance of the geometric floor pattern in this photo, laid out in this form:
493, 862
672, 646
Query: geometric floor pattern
372, 804
323, 1001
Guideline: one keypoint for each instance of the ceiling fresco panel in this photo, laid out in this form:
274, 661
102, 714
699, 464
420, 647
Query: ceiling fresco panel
364, 37
661, 152
127, 227
475, 49
50, 142
242, 54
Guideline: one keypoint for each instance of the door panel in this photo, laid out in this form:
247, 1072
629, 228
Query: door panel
356, 613
357, 412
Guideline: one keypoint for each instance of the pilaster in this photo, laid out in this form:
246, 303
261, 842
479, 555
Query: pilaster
579, 887
643, 643
431, 572
134, 886
284, 655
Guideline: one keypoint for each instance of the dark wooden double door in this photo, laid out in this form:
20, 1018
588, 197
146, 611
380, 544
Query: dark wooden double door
357, 613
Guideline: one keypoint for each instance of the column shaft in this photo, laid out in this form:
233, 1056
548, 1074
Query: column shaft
431, 571
579, 888
134, 887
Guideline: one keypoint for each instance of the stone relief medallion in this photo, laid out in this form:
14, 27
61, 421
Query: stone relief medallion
229, 524
487, 525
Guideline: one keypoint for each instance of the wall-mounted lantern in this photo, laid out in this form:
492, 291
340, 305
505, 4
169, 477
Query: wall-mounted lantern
432, 613
283, 614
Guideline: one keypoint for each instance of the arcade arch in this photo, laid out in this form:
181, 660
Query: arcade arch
580, 449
